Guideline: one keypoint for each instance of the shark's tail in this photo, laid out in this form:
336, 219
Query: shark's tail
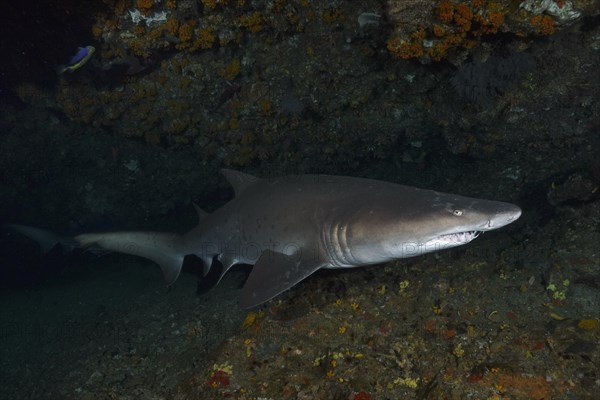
47, 240
162, 248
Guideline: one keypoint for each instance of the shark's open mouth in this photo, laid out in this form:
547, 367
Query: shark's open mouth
456, 239
453, 239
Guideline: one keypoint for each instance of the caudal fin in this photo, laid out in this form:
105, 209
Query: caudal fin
162, 248
46, 239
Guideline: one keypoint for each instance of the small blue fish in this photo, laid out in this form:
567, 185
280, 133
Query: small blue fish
78, 60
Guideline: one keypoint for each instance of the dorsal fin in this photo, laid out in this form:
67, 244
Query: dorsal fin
201, 213
239, 180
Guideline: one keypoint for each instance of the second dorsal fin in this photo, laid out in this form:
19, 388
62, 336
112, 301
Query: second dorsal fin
200, 212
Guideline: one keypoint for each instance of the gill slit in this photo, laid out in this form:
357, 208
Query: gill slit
336, 245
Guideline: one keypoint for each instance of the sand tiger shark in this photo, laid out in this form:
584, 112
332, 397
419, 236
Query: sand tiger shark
291, 226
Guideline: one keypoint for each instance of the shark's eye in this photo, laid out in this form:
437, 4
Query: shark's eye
458, 213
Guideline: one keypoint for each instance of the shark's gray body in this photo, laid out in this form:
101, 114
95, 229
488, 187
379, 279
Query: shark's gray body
289, 227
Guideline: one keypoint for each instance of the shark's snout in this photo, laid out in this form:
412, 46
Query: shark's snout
508, 214
516, 213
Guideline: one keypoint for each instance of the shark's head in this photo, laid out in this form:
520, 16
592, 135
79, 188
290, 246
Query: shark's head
419, 223
458, 220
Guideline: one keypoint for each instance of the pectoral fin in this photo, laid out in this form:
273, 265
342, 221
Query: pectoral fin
273, 274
